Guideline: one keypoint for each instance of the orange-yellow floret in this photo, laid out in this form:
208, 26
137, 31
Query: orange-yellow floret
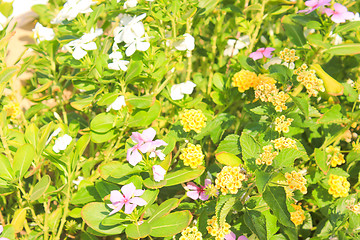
218, 232
192, 119
267, 156
282, 124
296, 181
339, 186
283, 142
289, 57
336, 158
308, 78
192, 155
244, 80
229, 179
191, 233
297, 217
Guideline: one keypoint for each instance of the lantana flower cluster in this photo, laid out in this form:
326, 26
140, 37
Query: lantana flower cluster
298, 216
339, 186
192, 119
219, 232
308, 78
192, 155
268, 154
282, 124
296, 181
191, 233
335, 156
229, 179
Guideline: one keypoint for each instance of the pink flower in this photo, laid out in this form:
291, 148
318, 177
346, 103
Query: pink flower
314, 4
262, 52
340, 14
129, 197
198, 192
158, 172
232, 236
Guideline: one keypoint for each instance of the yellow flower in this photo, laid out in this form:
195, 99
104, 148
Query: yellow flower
289, 57
191, 233
283, 142
229, 179
336, 158
267, 156
216, 231
308, 78
297, 217
192, 119
192, 155
296, 181
355, 208
244, 80
339, 186
282, 124
13, 110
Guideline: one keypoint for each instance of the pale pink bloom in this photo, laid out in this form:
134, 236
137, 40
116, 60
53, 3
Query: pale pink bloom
232, 236
129, 197
314, 4
262, 52
157, 153
198, 192
340, 14
158, 172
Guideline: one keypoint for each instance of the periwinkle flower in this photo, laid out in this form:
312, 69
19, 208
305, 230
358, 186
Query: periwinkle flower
262, 52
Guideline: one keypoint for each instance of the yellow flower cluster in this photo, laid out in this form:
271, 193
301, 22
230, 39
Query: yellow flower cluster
192, 119
283, 142
336, 158
192, 155
308, 78
267, 92
12, 109
339, 186
288, 55
230, 178
267, 156
297, 217
296, 181
191, 233
216, 231
282, 124
244, 80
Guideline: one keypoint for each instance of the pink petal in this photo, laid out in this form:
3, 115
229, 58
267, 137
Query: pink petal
203, 196
117, 208
192, 194
338, 18
148, 134
230, 236
129, 208
128, 190
136, 137
329, 12
268, 51
158, 173
116, 196
146, 147
348, 15
242, 238
256, 55
193, 186
159, 143
340, 8
134, 158
138, 201
138, 192
207, 182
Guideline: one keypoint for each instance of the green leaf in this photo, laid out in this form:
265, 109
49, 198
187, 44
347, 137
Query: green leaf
218, 81
184, 175
138, 231
256, 222
85, 195
208, 5
8, 232
262, 178
141, 102
286, 157
23, 159
40, 188
228, 159
344, 49
94, 213
6, 74
143, 118
134, 70
82, 103
321, 160
302, 104
149, 183
6, 171
164, 208
226, 209
104, 188
230, 144
294, 31
170, 224
44, 136
18, 219
102, 137
103, 122
250, 150
118, 172
346, 27
107, 99
31, 135
332, 116
275, 197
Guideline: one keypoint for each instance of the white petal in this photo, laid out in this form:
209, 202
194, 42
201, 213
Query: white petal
89, 46
79, 53
131, 49
142, 46
175, 92
188, 87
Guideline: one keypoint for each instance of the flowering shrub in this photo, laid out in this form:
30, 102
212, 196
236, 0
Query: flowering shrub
207, 119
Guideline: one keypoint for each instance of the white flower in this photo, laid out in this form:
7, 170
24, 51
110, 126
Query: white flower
42, 33
272, 61
54, 134
61, 143
233, 46
117, 63
178, 90
356, 17
117, 104
77, 182
138, 44
336, 38
79, 46
188, 43
3, 21
130, 3
71, 9
130, 29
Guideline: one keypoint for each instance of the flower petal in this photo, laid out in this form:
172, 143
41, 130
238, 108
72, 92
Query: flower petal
135, 157
138, 201
129, 208
192, 194
128, 190
116, 196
